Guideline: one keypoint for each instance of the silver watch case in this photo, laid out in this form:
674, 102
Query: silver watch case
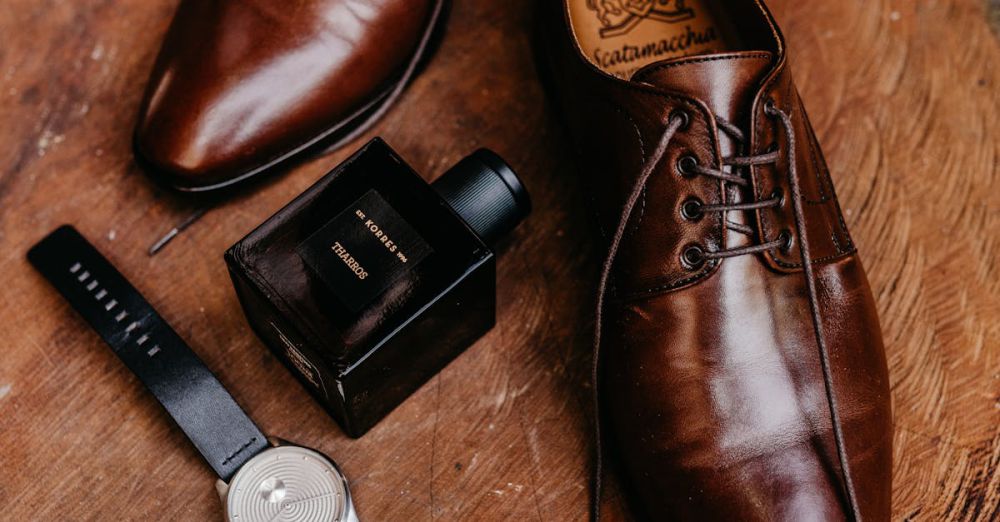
287, 483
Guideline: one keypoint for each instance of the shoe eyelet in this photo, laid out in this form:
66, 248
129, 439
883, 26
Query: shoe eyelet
682, 115
693, 257
686, 166
786, 241
770, 106
691, 209
779, 195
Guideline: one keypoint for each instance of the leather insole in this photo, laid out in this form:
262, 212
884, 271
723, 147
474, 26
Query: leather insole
623, 36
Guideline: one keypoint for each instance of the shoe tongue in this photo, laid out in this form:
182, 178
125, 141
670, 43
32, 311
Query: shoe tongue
726, 82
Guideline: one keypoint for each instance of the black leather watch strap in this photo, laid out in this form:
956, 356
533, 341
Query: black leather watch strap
188, 390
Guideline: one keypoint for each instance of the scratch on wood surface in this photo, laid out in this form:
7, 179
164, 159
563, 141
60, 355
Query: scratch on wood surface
530, 438
434, 435
43, 352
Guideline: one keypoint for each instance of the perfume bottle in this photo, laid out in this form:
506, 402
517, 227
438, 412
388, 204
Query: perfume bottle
371, 281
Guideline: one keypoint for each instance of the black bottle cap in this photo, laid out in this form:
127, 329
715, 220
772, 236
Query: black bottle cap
483, 189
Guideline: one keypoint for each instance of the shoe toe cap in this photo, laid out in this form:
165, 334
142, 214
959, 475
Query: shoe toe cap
191, 140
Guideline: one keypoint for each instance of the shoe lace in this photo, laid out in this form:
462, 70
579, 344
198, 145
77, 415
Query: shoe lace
696, 255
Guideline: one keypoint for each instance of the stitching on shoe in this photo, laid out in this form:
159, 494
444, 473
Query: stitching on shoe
642, 153
766, 224
667, 287
825, 182
710, 268
772, 25
815, 260
658, 67
822, 174
836, 242
718, 225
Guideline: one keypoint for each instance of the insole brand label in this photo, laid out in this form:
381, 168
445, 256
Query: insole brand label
622, 36
619, 17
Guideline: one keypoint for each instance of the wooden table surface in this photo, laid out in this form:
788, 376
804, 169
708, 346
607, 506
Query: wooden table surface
904, 97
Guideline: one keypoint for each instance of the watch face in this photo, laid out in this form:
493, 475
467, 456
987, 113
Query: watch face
288, 483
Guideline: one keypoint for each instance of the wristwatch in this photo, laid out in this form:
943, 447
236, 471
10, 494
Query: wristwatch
260, 479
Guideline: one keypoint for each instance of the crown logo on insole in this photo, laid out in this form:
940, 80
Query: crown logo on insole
618, 17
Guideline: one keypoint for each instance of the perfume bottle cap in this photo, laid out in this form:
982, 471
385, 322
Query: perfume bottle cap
483, 189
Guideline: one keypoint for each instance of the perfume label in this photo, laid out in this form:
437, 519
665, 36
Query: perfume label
363, 250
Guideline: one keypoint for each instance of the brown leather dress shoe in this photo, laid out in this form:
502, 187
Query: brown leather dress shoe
242, 85
739, 363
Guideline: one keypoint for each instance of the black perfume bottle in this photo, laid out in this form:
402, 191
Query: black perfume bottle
371, 281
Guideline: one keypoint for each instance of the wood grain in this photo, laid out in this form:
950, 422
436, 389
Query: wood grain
904, 97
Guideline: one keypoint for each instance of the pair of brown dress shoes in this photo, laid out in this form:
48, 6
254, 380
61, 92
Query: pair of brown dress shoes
739, 367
